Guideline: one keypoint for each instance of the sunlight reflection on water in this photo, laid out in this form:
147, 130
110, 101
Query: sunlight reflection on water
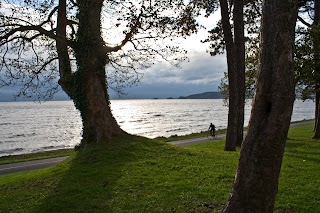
31, 127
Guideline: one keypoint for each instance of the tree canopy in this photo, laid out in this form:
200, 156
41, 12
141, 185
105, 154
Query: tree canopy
89, 46
135, 34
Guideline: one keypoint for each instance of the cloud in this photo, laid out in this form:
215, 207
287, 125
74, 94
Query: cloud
202, 69
163, 90
202, 74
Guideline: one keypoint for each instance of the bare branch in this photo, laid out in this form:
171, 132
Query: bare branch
44, 65
127, 38
36, 28
304, 22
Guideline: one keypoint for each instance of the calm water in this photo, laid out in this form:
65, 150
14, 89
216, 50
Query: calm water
31, 127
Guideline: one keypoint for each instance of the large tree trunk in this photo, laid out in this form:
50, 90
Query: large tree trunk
236, 69
88, 86
256, 182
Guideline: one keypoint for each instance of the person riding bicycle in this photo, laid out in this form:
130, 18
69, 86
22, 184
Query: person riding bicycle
212, 129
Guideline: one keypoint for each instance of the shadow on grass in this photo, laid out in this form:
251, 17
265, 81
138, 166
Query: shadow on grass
136, 174
303, 157
88, 183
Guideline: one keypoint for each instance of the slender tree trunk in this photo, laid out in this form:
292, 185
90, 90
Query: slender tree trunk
89, 86
231, 136
317, 117
316, 43
316, 112
256, 182
240, 66
235, 60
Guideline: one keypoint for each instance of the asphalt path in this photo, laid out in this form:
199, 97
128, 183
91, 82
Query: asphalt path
190, 141
29, 165
205, 139
39, 164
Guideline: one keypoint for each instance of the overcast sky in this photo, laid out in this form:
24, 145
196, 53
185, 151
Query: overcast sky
201, 74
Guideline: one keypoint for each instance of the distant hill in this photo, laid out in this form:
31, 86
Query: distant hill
205, 95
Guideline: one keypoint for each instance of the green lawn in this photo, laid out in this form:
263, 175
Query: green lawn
136, 174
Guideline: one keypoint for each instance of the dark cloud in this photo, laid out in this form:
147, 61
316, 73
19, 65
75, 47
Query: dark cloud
201, 74
8, 94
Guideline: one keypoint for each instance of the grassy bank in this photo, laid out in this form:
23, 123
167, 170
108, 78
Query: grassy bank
67, 152
136, 174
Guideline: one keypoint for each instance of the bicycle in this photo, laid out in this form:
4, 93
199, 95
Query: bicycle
211, 134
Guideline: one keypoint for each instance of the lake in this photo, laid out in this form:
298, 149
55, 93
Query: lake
27, 127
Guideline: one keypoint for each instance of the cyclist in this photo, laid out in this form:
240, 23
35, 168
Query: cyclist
212, 130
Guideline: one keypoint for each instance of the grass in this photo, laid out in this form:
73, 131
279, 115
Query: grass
136, 174
299, 186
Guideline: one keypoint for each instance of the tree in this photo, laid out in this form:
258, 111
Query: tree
250, 77
229, 36
256, 181
83, 38
236, 66
308, 56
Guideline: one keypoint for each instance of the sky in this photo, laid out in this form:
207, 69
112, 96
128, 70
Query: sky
202, 73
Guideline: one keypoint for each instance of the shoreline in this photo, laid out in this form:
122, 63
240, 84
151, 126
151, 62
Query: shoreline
66, 152
29, 128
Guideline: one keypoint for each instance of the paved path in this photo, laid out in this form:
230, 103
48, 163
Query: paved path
29, 165
38, 164
195, 140
302, 123
205, 139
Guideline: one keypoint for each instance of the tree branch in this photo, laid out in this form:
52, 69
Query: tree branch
37, 28
45, 64
128, 36
304, 22
256, 9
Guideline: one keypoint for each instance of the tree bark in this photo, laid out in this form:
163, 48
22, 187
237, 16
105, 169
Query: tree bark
236, 69
88, 84
317, 97
62, 49
316, 44
256, 182
240, 66
317, 117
